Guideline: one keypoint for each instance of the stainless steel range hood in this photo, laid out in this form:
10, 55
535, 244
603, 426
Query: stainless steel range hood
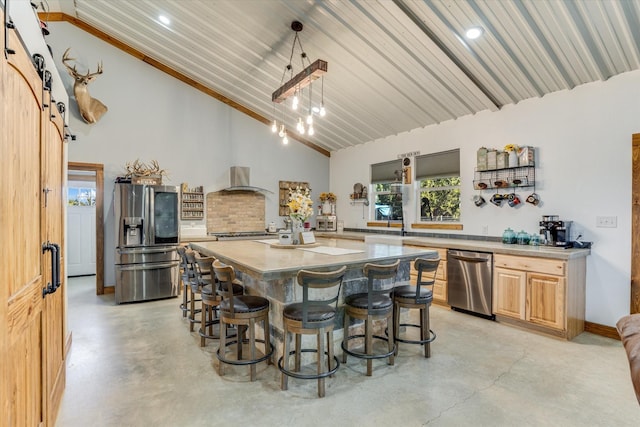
239, 181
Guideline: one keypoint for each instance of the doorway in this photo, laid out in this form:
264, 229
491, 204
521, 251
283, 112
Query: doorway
93, 174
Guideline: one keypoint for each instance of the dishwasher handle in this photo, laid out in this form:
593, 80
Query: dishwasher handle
459, 255
469, 259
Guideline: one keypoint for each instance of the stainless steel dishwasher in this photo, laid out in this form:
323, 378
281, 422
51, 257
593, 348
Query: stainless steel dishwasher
469, 277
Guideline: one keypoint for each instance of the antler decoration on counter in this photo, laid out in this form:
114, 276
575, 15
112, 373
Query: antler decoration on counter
138, 168
90, 108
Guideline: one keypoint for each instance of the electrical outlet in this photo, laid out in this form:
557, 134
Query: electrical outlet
485, 230
606, 221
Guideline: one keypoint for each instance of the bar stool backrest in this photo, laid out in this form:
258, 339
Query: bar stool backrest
203, 264
427, 269
376, 283
225, 274
319, 280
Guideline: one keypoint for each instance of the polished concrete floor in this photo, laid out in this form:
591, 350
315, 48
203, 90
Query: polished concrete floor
138, 365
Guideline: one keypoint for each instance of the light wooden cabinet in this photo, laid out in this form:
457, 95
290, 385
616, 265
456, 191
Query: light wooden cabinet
440, 287
543, 294
509, 292
545, 300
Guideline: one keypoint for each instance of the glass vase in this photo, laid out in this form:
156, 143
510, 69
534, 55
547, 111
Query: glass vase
326, 208
297, 227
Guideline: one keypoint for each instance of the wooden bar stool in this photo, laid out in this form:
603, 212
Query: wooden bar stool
198, 286
375, 304
186, 275
419, 296
315, 315
209, 296
244, 311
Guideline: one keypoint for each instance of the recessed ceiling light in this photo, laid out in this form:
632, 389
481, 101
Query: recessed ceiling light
164, 20
474, 32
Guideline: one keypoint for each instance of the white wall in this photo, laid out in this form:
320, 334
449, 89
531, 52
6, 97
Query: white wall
193, 136
583, 142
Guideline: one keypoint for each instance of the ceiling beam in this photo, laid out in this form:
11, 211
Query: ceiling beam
440, 44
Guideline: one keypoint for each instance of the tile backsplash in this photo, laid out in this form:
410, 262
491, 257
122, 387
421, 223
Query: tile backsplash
234, 212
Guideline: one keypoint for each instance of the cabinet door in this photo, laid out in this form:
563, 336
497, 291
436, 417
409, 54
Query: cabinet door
440, 286
440, 291
545, 300
509, 292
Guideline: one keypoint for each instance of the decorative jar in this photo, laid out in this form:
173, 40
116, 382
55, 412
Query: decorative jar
509, 237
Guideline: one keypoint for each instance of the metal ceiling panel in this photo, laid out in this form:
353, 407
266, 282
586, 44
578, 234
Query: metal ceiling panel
394, 65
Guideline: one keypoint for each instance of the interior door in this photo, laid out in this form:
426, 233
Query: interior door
22, 275
81, 240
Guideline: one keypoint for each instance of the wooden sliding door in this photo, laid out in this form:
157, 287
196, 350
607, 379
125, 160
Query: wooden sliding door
31, 171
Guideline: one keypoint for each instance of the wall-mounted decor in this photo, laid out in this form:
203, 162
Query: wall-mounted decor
90, 108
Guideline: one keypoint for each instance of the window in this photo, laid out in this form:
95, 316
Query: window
81, 196
438, 176
387, 204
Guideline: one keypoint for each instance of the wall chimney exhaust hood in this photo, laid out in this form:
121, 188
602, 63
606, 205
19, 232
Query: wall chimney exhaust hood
239, 181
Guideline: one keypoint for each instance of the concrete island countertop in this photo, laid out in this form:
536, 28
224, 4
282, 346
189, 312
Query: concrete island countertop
266, 262
463, 244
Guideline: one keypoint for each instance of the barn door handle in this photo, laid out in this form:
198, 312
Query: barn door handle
55, 265
56, 279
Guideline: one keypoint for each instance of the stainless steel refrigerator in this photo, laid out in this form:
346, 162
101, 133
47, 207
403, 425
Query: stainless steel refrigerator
147, 235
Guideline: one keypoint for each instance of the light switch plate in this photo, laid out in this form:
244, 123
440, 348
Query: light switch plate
606, 221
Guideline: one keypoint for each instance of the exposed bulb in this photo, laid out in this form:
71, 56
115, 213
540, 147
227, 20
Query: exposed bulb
300, 126
282, 131
311, 131
310, 119
285, 140
274, 127
323, 112
294, 103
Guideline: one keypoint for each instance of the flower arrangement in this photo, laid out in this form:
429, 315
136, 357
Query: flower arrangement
327, 197
300, 204
511, 147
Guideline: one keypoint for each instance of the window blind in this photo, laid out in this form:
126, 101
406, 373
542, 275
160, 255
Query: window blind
435, 165
385, 172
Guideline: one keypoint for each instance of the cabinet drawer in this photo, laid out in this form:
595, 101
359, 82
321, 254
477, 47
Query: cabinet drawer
441, 274
539, 265
442, 252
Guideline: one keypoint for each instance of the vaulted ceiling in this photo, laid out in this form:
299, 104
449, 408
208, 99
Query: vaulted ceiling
393, 65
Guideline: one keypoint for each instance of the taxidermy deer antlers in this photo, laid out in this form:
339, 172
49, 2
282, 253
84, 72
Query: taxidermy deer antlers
90, 108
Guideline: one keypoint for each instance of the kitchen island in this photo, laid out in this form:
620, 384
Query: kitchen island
271, 271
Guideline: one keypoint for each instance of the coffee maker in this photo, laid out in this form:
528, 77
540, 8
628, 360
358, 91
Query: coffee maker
555, 232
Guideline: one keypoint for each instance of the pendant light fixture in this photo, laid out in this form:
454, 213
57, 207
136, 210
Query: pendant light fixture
294, 89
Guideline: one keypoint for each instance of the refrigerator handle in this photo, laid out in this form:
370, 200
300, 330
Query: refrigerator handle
145, 250
152, 266
151, 223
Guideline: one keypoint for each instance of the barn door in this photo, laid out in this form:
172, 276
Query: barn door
52, 226
22, 275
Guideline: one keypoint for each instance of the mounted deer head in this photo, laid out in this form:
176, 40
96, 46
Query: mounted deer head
90, 108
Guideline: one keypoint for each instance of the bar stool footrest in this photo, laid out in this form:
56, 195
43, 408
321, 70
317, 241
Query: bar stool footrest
244, 362
367, 356
308, 376
432, 335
